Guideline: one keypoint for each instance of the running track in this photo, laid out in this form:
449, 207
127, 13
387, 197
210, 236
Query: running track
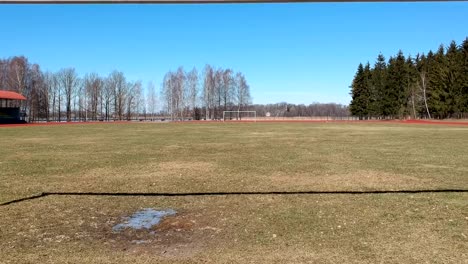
418, 122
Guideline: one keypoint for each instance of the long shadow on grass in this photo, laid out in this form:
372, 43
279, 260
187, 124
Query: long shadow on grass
44, 194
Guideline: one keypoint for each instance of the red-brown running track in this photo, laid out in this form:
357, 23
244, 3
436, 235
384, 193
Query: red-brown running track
420, 122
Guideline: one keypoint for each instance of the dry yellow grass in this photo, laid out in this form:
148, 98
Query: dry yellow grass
230, 157
181, 158
384, 228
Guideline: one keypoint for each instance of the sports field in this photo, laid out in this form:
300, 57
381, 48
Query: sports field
250, 192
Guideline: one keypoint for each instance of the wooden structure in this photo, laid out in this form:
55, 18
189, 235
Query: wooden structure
10, 104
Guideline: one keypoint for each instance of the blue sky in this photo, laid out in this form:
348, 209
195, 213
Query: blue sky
299, 53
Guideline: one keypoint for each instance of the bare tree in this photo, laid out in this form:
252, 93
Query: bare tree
50, 87
192, 90
17, 74
179, 92
132, 98
209, 91
151, 99
218, 83
119, 85
59, 96
421, 64
80, 101
242, 91
36, 93
4, 73
167, 93
93, 90
139, 99
227, 88
174, 92
69, 82
423, 87
108, 97
17, 77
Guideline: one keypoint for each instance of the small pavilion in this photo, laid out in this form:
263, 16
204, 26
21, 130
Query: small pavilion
10, 104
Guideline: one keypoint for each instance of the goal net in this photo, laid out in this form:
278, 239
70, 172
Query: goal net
240, 115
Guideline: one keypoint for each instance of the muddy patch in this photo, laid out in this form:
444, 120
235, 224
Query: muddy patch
151, 231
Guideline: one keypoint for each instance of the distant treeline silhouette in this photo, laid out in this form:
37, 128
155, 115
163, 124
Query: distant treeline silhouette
284, 109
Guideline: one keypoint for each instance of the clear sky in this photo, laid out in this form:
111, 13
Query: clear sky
299, 53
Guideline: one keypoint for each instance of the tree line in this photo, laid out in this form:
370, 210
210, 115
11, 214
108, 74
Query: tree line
221, 90
432, 85
285, 109
65, 96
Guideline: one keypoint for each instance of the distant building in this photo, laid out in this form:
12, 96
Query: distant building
10, 103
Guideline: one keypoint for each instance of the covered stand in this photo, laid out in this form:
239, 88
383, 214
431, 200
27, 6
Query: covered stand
10, 103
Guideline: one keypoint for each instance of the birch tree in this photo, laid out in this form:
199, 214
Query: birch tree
192, 90
227, 88
208, 91
151, 100
421, 65
242, 91
179, 92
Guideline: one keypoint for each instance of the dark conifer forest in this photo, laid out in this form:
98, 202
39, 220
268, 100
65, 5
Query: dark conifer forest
432, 85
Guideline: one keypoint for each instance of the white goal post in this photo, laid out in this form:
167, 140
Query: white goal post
237, 115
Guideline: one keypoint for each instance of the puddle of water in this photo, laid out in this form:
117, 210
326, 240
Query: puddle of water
143, 219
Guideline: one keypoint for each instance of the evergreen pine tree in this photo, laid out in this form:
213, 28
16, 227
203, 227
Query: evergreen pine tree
413, 93
397, 86
464, 76
379, 78
454, 80
367, 91
433, 86
358, 106
437, 81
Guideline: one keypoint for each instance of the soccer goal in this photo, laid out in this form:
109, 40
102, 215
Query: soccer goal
240, 115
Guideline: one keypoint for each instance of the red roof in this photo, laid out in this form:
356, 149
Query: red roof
11, 95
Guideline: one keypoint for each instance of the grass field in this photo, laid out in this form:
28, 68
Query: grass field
236, 157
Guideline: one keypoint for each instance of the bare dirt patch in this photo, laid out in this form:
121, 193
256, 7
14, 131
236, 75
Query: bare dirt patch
181, 235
